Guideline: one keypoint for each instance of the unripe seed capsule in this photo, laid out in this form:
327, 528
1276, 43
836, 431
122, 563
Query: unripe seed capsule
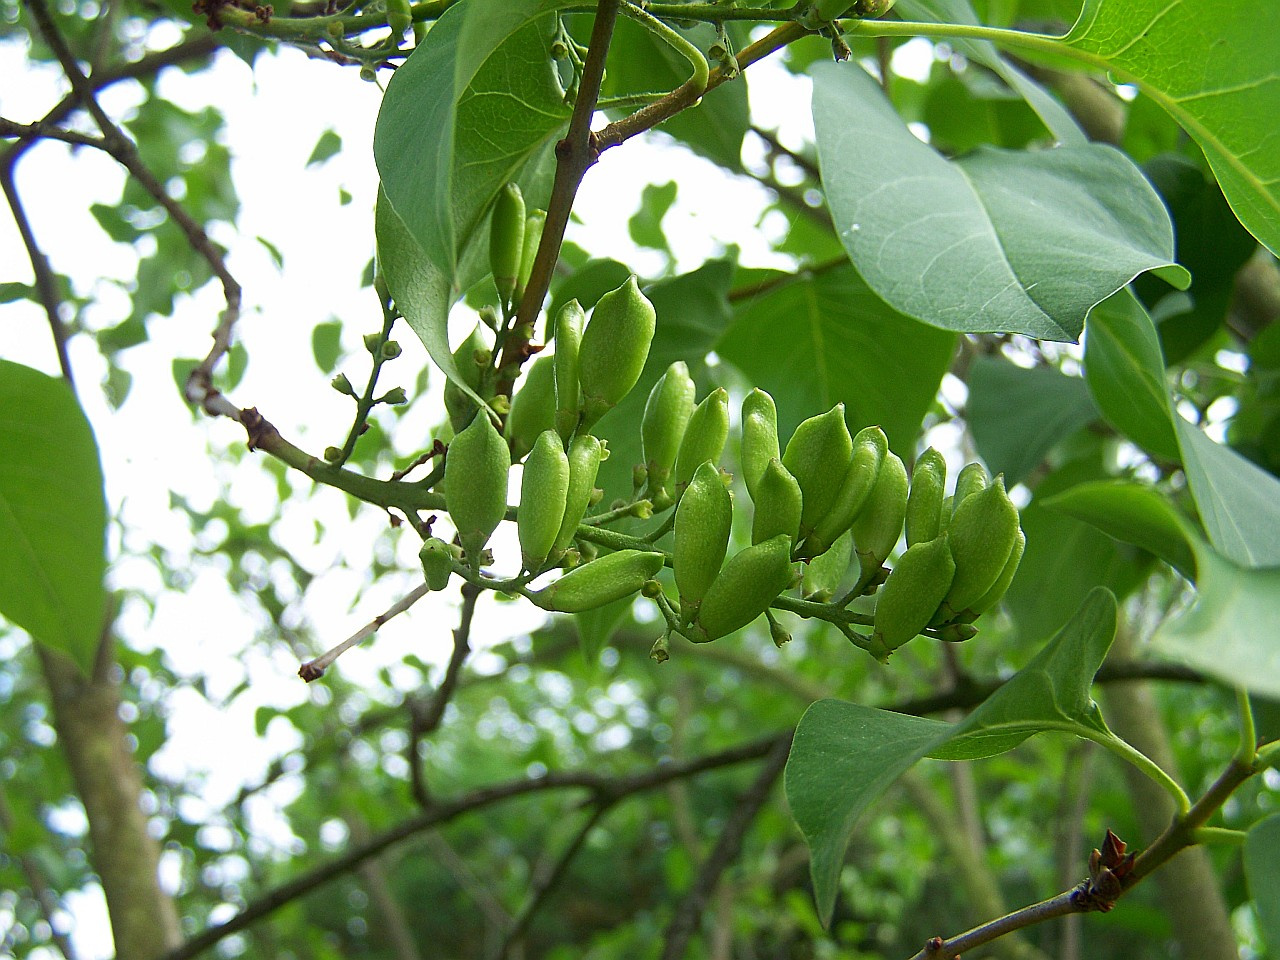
759, 437
585, 454
983, 534
913, 592
343, 385
506, 240
877, 530
869, 449
599, 582
466, 358
533, 408
570, 322
778, 504
749, 582
615, 346
399, 17
666, 415
825, 572
998, 589
475, 484
818, 454
705, 435
971, 479
702, 523
437, 563
533, 224
543, 490
924, 503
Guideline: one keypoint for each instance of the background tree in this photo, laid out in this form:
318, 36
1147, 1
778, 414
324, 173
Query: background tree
927, 259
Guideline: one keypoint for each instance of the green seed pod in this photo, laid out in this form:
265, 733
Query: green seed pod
705, 435
983, 533
533, 224
998, 589
778, 504
475, 484
759, 437
877, 530
585, 454
749, 582
915, 588
869, 449
471, 358
824, 574
437, 563
533, 408
870, 9
702, 523
818, 455
615, 346
971, 479
601, 581
543, 490
570, 322
666, 415
506, 240
924, 503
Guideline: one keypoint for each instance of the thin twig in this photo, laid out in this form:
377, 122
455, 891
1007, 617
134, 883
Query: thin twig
424, 720
545, 884
199, 387
726, 850
605, 788
314, 669
41, 892
800, 160
575, 155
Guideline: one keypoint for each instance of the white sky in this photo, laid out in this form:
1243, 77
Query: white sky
274, 116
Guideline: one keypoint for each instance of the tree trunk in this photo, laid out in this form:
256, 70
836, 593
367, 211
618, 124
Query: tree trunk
86, 716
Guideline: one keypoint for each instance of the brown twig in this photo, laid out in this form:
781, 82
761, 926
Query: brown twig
604, 788
425, 719
547, 883
726, 850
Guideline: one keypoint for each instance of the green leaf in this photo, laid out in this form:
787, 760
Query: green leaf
1125, 372
1133, 513
461, 118
1023, 242
1215, 70
1262, 868
1018, 415
1066, 552
326, 344
1054, 116
1210, 243
420, 289
823, 338
1229, 629
53, 515
328, 145
845, 755
645, 226
1239, 502
597, 627
12, 292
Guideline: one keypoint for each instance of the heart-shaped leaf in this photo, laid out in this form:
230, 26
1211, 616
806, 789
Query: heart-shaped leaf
845, 755
1014, 241
1214, 68
53, 516
844, 345
476, 105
